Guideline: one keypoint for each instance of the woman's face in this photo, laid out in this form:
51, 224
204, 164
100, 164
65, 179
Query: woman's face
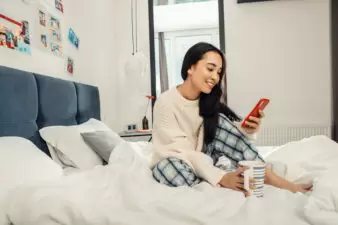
205, 74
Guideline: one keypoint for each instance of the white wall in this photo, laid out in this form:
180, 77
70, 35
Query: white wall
94, 61
131, 88
273, 50
280, 50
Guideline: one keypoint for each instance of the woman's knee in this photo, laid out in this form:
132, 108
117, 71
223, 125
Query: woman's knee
174, 172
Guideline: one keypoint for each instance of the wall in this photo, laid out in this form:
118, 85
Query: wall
93, 23
132, 87
273, 50
54, 66
280, 50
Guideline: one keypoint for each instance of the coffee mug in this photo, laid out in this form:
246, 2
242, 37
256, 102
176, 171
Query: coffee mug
255, 170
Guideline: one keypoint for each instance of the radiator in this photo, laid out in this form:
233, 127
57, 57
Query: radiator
275, 136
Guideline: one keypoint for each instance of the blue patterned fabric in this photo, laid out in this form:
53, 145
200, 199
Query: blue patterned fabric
229, 142
30, 101
175, 172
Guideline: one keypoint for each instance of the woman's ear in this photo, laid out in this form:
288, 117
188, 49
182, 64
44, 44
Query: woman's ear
191, 69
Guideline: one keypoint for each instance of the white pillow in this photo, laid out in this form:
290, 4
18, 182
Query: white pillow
305, 160
21, 162
135, 155
67, 144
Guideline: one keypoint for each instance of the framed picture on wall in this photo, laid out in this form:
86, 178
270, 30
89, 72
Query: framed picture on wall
43, 40
251, 1
15, 34
70, 65
42, 18
59, 5
73, 38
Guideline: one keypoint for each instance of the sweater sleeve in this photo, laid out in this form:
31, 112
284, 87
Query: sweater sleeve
170, 140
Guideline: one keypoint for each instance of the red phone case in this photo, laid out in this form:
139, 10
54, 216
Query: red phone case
261, 104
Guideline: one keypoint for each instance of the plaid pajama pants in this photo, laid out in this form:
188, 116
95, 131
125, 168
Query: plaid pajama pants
229, 143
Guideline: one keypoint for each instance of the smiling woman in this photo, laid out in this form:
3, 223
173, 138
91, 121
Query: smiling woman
193, 131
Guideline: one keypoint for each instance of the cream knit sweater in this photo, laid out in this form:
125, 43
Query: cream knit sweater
178, 132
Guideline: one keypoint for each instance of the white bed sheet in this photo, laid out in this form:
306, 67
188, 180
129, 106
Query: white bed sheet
124, 193
265, 151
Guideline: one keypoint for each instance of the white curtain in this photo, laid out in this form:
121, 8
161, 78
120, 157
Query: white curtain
164, 80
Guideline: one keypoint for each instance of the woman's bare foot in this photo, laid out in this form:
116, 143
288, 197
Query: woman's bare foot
301, 188
276, 181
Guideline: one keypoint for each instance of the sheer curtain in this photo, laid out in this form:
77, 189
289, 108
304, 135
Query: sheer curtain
164, 78
163, 69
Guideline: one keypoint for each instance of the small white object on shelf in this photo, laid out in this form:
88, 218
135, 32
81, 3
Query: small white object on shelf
136, 136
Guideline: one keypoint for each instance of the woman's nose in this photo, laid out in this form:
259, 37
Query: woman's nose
215, 77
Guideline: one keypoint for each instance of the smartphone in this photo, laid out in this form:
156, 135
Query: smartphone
261, 104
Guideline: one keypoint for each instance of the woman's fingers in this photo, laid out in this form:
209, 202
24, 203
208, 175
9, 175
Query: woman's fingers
252, 187
254, 120
240, 186
240, 170
251, 125
240, 180
246, 194
261, 113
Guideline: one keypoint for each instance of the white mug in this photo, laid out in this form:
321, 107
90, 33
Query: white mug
255, 170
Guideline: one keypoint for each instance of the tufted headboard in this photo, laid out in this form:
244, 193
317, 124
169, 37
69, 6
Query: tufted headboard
29, 102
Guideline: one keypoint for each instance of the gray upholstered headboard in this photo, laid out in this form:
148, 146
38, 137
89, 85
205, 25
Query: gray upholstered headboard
30, 101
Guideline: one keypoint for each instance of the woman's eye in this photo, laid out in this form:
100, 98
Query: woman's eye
210, 69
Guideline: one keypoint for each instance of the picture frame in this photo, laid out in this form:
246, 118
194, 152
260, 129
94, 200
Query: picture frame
70, 65
73, 38
59, 5
15, 35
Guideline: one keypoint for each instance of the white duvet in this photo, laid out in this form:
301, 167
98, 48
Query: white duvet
124, 193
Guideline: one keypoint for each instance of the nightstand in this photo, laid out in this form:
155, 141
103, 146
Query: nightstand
136, 136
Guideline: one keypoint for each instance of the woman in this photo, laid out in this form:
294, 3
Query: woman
194, 132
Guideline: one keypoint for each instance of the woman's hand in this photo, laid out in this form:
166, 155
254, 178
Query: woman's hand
253, 125
235, 181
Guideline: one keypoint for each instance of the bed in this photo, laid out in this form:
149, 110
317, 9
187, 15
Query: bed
123, 191
32, 101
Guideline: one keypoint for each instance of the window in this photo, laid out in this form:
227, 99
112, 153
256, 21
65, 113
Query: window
161, 2
167, 44
187, 1
184, 29
170, 2
177, 44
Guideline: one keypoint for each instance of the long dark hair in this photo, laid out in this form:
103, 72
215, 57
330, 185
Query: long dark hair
210, 105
